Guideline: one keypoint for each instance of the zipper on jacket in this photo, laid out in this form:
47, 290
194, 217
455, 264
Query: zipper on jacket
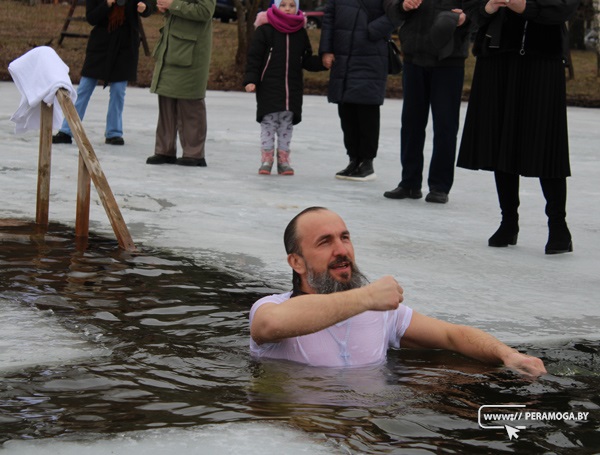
266, 64
287, 70
522, 51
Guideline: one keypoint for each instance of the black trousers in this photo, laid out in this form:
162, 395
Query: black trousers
438, 89
360, 125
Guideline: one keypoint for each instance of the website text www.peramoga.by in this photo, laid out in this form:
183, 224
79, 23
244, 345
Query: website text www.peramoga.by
534, 415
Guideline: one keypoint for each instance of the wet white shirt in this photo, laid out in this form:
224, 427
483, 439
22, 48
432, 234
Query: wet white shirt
361, 340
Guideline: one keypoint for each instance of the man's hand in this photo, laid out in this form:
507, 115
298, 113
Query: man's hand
461, 16
525, 364
518, 6
431, 333
384, 294
327, 60
141, 7
250, 88
409, 5
163, 5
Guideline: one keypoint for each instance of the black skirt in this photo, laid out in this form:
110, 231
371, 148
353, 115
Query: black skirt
516, 119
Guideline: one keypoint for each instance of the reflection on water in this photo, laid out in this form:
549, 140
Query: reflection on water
177, 335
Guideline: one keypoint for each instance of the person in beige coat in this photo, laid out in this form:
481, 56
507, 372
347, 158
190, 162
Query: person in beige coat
182, 56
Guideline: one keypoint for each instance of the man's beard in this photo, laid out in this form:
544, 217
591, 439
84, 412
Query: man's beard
324, 283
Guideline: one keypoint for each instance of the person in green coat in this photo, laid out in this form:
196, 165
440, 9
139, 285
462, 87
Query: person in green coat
182, 56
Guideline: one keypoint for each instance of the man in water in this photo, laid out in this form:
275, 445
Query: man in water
333, 317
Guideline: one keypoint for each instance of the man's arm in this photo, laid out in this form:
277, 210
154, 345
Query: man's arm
313, 312
426, 332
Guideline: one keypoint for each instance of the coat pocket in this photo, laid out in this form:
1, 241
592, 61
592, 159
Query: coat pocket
180, 50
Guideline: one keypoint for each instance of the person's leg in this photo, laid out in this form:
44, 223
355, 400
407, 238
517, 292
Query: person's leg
368, 123
165, 145
114, 115
268, 128
350, 131
268, 131
507, 187
415, 113
192, 129
348, 122
84, 93
559, 237
285, 129
446, 92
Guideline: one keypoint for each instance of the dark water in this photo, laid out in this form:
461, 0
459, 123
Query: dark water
177, 334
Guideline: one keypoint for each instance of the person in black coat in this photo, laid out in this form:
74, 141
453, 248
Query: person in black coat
280, 49
516, 121
111, 56
354, 46
435, 44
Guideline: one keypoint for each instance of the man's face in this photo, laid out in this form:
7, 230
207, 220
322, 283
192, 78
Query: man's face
326, 263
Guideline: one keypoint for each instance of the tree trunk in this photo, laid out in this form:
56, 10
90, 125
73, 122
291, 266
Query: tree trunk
242, 50
246, 15
596, 25
576, 33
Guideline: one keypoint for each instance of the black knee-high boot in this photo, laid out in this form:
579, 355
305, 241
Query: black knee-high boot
507, 186
559, 237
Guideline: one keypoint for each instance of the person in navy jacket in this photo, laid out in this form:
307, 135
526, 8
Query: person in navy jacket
354, 46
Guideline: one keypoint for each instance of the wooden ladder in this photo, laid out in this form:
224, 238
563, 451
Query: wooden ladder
89, 171
64, 33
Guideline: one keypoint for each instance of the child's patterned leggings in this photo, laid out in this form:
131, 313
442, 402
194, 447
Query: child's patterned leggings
276, 124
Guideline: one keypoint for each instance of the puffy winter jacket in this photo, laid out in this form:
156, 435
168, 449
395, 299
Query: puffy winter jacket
358, 39
275, 63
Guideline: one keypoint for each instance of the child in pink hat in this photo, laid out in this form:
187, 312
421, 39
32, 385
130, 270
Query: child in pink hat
279, 51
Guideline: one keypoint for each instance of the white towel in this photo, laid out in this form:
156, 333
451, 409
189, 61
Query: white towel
38, 74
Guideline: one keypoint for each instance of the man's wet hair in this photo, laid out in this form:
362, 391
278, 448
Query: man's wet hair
290, 235
291, 241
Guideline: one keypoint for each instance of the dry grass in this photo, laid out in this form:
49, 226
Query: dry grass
23, 27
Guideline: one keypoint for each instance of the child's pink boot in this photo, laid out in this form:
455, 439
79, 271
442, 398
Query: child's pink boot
283, 163
266, 160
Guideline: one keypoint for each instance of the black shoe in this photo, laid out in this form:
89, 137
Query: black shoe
363, 173
187, 161
506, 235
117, 140
62, 138
161, 159
352, 165
559, 239
438, 197
403, 193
